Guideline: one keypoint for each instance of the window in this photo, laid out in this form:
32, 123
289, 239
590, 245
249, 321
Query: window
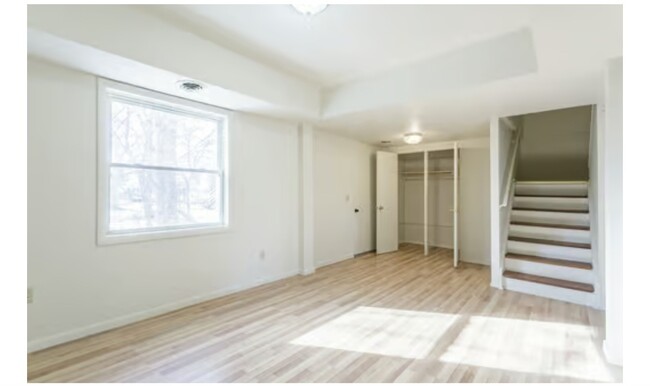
162, 165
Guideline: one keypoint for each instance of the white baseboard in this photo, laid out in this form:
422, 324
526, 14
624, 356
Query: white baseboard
320, 264
609, 355
599, 299
486, 263
479, 262
77, 333
496, 283
430, 245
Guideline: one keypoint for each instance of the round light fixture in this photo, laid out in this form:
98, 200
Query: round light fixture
310, 9
413, 138
190, 85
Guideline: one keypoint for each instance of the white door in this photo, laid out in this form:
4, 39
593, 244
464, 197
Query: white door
387, 223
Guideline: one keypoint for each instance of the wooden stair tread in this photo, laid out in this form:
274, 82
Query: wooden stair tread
550, 242
546, 260
535, 224
584, 287
553, 210
546, 196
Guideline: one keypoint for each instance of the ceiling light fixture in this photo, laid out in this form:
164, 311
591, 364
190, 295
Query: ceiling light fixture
413, 138
310, 9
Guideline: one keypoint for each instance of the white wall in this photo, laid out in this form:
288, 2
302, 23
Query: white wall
306, 189
344, 179
596, 201
501, 141
80, 288
474, 201
506, 139
612, 195
555, 145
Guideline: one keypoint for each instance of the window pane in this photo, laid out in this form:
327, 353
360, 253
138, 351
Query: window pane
144, 135
142, 198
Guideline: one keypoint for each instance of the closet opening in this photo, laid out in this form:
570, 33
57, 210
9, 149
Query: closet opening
427, 199
417, 198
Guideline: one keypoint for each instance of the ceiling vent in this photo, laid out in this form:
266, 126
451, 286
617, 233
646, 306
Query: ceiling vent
190, 86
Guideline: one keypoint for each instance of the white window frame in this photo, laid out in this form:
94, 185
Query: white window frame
107, 88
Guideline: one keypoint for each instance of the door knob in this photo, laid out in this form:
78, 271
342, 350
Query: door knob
380, 207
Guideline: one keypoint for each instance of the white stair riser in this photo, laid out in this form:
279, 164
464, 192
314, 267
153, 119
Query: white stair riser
559, 218
557, 203
550, 270
545, 233
551, 189
550, 251
558, 293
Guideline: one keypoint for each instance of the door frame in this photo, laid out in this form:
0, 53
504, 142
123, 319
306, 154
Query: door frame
430, 147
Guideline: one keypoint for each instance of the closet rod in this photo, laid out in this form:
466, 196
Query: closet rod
431, 172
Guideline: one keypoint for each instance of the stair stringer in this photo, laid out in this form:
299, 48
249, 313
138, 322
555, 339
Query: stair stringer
505, 232
599, 294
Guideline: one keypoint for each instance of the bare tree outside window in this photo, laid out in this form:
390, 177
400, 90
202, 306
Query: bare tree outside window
166, 167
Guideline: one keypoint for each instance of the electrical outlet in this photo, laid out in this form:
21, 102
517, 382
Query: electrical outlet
30, 295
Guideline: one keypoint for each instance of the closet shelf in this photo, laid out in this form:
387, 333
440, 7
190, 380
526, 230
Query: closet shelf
430, 172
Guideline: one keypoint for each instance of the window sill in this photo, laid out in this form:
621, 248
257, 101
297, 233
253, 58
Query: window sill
134, 237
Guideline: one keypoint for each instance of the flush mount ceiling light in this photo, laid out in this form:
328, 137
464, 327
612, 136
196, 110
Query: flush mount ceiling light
189, 85
310, 9
413, 138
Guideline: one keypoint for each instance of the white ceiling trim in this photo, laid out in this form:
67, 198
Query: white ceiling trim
499, 58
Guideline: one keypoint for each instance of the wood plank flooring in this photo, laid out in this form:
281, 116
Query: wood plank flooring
397, 317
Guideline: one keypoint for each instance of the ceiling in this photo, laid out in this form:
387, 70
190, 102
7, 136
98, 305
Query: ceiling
369, 72
348, 44
345, 42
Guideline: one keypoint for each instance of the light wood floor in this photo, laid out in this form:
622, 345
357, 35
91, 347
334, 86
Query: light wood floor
397, 317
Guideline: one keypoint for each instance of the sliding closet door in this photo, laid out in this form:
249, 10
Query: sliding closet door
387, 202
455, 209
425, 227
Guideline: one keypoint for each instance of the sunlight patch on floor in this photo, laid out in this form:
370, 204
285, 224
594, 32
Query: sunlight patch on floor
383, 331
555, 349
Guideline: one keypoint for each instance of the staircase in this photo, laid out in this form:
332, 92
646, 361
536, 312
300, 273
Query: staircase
549, 242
